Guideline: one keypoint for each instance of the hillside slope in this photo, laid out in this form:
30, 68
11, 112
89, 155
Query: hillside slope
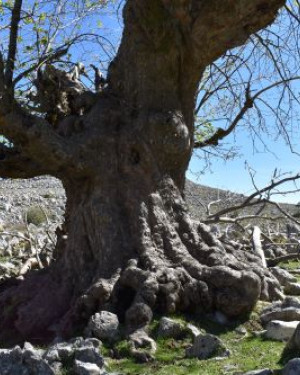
199, 196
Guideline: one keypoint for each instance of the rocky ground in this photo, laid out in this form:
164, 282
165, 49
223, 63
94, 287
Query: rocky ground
30, 211
267, 341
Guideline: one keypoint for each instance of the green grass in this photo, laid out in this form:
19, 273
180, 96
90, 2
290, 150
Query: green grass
247, 353
290, 265
4, 258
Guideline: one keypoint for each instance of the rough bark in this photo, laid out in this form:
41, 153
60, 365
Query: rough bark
128, 244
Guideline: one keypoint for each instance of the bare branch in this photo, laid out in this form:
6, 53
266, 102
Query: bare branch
12, 49
46, 59
271, 186
236, 220
221, 133
255, 199
249, 102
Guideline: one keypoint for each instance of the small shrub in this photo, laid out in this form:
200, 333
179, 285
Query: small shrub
36, 215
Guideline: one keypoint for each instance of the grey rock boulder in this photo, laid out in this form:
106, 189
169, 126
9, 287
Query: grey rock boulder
207, 346
279, 330
11, 362
283, 276
193, 330
169, 328
104, 326
288, 310
37, 365
89, 355
293, 345
86, 368
52, 355
92, 341
292, 288
141, 346
23, 362
64, 352
292, 367
138, 316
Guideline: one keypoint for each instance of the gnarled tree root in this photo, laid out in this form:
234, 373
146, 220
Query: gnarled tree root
180, 266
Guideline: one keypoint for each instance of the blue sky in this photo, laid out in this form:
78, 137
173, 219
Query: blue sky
231, 175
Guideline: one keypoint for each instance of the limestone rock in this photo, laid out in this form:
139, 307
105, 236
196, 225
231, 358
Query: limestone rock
18, 362
287, 310
92, 341
65, 352
292, 367
292, 288
169, 328
279, 330
138, 316
52, 355
104, 325
142, 347
207, 346
193, 330
241, 330
89, 355
293, 344
37, 365
11, 362
86, 368
283, 276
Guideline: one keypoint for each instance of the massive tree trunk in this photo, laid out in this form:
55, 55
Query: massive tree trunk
128, 243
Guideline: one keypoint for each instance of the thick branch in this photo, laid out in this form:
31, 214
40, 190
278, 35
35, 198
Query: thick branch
15, 165
222, 25
13, 38
38, 142
173, 42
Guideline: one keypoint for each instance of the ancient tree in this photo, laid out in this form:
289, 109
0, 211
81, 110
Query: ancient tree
128, 244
